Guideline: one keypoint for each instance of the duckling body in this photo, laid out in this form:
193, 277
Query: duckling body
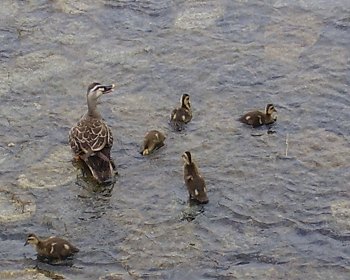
257, 118
153, 140
183, 114
52, 247
91, 139
194, 181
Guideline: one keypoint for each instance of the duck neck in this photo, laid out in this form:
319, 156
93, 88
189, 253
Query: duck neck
39, 246
186, 106
92, 109
192, 168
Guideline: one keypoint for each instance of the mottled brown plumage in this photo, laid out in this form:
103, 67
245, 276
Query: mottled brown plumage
183, 114
257, 118
52, 247
91, 139
194, 181
153, 140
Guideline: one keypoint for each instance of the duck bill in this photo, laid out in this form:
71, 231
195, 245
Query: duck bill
108, 89
25, 244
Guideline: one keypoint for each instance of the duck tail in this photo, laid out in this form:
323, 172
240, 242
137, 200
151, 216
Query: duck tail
101, 166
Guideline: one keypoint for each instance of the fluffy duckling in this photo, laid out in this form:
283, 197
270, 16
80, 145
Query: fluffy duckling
182, 114
91, 138
52, 247
153, 140
193, 180
257, 118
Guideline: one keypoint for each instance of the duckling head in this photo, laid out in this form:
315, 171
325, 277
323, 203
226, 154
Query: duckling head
145, 152
187, 158
32, 239
185, 101
271, 111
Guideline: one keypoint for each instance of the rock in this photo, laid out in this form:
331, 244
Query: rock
55, 170
199, 14
15, 207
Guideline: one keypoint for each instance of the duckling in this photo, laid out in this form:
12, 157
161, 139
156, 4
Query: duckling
183, 114
91, 139
153, 140
193, 180
52, 247
257, 118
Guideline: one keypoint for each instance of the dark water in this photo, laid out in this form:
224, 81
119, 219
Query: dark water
279, 203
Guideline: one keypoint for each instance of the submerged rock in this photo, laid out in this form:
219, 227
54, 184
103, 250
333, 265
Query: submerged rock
341, 213
199, 15
27, 274
318, 148
14, 207
288, 38
55, 170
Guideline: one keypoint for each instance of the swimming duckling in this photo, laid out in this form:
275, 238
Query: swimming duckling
183, 114
52, 247
91, 139
193, 180
153, 140
257, 118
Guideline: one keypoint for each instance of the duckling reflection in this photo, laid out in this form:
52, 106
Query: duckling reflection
194, 181
183, 114
153, 140
257, 118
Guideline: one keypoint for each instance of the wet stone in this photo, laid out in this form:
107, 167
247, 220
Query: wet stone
55, 170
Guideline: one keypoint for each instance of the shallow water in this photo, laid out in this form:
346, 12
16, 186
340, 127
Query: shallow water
279, 203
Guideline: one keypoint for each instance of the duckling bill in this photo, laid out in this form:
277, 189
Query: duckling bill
257, 118
91, 138
153, 140
194, 181
183, 114
52, 248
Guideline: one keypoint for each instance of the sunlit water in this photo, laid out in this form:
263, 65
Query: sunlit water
279, 203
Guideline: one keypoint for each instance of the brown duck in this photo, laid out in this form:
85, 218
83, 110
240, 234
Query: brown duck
153, 140
257, 118
183, 114
52, 247
194, 181
91, 139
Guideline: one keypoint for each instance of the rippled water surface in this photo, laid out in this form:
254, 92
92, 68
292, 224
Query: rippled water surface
279, 203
